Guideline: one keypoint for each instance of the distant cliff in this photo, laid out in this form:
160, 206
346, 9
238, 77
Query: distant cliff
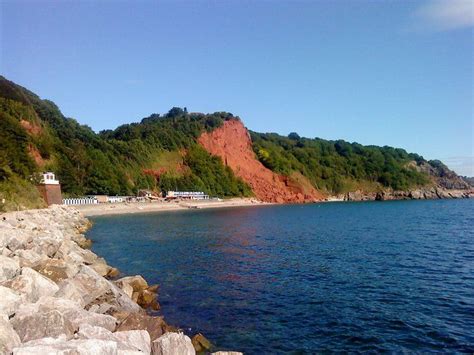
295, 169
232, 143
213, 153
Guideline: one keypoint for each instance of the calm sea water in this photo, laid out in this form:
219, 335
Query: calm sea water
376, 276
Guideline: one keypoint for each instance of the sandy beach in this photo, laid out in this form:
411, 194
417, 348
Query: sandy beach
145, 207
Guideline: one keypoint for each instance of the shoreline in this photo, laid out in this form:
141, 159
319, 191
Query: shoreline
60, 297
107, 209
149, 207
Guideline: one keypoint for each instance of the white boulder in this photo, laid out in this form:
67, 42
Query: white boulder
9, 301
31, 285
8, 337
172, 344
61, 346
9, 268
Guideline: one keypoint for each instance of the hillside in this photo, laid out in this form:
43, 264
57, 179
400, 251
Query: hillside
340, 167
190, 151
158, 153
232, 143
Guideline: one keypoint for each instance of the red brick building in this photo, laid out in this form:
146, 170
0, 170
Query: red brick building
50, 189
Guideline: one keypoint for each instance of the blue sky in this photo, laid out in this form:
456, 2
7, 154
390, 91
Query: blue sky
393, 73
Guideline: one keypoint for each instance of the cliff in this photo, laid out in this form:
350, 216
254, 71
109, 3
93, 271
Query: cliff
231, 142
194, 151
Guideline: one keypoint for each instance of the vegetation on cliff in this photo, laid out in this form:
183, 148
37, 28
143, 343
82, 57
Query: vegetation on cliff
339, 166
161, 153
34, 136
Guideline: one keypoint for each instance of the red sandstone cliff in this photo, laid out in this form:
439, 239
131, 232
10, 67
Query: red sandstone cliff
232, 143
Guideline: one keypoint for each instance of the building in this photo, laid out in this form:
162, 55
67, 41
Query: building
187, 195
101, 198
145, 193
116, 199
50, 189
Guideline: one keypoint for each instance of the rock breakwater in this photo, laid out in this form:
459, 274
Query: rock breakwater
59, 297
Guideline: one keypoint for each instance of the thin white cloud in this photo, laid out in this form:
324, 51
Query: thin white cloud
444, 15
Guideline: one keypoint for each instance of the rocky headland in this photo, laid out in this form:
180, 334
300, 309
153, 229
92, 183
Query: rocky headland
58, 297
232, 143
429, 193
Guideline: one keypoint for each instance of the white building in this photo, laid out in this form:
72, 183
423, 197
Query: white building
49, 178
116, 199
187, 195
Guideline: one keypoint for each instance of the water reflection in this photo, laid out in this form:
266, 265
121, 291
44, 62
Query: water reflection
340, 277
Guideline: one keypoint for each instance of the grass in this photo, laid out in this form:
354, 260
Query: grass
17, 194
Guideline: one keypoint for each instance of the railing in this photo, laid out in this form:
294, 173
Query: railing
80, 201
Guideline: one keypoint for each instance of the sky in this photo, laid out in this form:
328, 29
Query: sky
395, 73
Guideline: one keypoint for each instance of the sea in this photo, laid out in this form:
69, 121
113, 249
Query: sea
392, 276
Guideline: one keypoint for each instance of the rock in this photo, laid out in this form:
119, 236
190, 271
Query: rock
54, 316
42, 285
84, 317
137, 282
82, 241
147, 299
113, 272
53, 269
102, 308
153, 288
172, 344
68, 290
23, 286
96, 289
31, 285
87, 331
29, 258
100, 267
18, 239
456, 194
201, 343
138, 339
62, 346
416, 195
42, 324
155, 326
134, 340
128, 290
46, 246
88, 256
9, 268
10, 301
135, 296
8, 337
54, 291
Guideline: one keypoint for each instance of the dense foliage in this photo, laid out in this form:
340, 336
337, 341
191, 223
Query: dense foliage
161, 153
338, 166
111, 162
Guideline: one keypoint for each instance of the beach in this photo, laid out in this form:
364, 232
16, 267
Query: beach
104, 209
159, 206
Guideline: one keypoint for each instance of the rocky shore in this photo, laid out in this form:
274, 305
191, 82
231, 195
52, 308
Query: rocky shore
58, 297
431, 193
